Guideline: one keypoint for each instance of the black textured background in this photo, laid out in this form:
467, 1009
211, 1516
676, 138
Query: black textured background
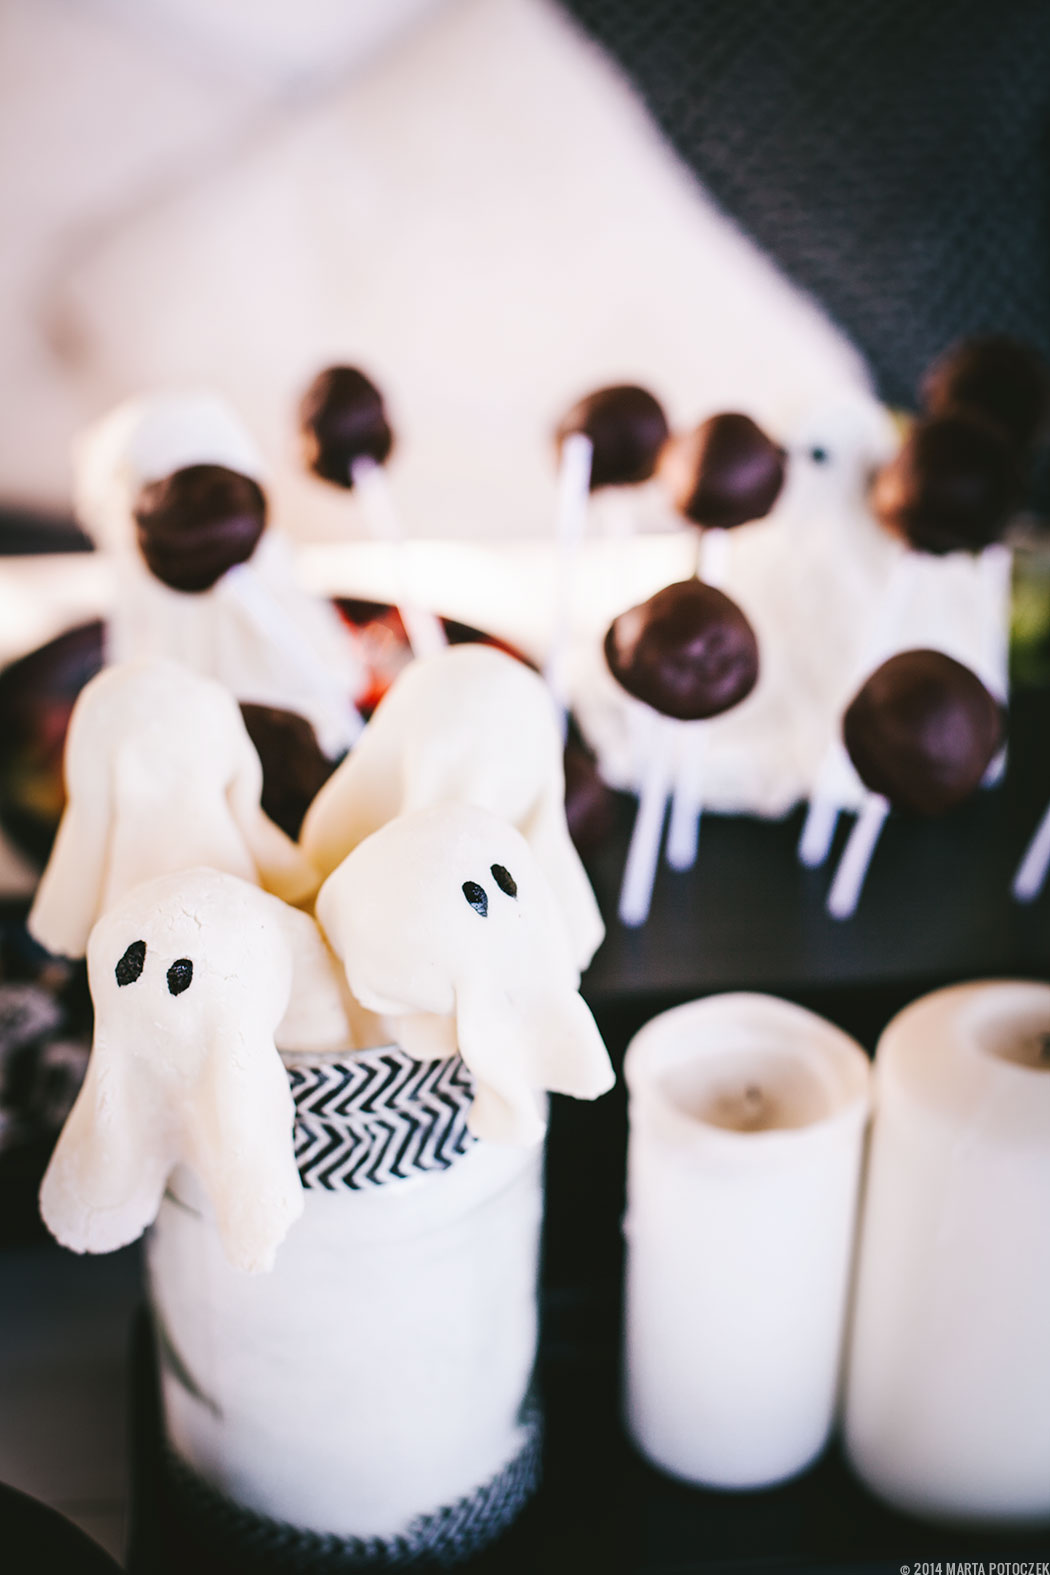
892, 155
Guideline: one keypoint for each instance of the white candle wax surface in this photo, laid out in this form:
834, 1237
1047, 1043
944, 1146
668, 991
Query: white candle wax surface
747, 1117
948, 1393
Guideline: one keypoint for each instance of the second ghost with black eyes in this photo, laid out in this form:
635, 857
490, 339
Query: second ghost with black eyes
446, 923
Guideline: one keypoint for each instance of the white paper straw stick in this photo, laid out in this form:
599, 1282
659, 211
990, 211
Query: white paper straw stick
713, 557
818, 831
996, 570
1031, 872
644, 852
574, 488
683, 833
252, 595
853, 866
424, 630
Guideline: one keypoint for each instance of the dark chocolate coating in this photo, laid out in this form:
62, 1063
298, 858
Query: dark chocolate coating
688, 651
953, 485
294, 767
627, 427
198, 522
342, 419
726, 473
1003, 379
922, 731
590, 805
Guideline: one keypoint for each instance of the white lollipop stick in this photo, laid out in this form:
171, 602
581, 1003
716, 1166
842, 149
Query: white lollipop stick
425, 632
825, 803
1031, 872
245, 587
574, 488
644, 852
713, 557
996, 569
822, 817
853, 866
683, 833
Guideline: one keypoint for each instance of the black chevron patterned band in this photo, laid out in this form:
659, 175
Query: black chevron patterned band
257, 1545
378, 1116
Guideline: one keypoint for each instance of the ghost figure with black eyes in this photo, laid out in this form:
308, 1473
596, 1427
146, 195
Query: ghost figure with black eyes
446, 923
469, 725
170, 486
196, 979
160, 776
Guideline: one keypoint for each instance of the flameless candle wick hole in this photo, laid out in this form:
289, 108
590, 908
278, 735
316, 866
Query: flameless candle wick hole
774, 1093
1025, 1044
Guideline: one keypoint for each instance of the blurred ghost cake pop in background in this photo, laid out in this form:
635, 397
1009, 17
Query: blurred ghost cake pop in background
347, 440
920, 733
172, 487
951, 490
688, 654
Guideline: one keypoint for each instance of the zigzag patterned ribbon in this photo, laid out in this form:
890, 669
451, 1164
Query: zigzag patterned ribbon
446, 1537
378, 1116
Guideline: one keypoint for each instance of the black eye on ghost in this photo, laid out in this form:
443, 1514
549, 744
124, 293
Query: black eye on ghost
131, 964
478, 897
180, 976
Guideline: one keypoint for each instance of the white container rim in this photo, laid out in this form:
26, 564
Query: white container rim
748, 1021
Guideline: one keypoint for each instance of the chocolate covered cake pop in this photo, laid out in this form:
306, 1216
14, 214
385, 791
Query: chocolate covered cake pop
342, 419
197, 523
627, 429
689, 652
1002, 379
725, 473
952, 486
922, 731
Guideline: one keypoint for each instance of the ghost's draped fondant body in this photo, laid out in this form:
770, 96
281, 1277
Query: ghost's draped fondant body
195, 978
160, 776
446, 923
471, 726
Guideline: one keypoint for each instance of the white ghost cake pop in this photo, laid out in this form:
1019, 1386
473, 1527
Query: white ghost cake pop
160, 776
196, 980
470, 725
171, 486
447, 913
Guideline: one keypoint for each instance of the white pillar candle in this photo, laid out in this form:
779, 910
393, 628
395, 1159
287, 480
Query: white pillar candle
378, 1377
948, 1395
747, 1119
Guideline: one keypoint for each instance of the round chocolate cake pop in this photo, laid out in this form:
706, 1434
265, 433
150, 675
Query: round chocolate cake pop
294, 767
627, 427
1006, 381
342, 419
725, 473
952, 486
197, 523
688, 652
922, 731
